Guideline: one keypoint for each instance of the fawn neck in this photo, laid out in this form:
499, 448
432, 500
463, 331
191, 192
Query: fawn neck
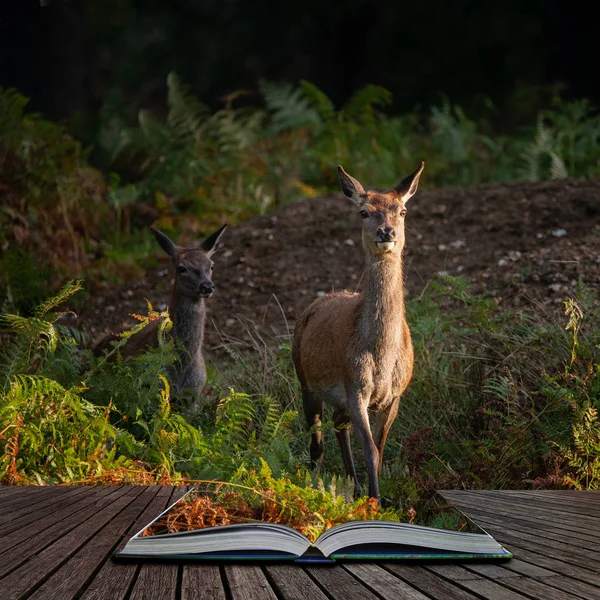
188, 317
382, 318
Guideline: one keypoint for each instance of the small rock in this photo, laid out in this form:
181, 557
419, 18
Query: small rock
442, 247
539, 236
555, 287
319, 294
349, 242
501, 262
458, 244
559, 232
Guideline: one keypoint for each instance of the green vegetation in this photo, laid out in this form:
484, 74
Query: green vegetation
479, 413
499, 398
193, 167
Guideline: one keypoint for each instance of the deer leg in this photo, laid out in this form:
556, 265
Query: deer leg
383, 423
313, 410
342, 431
357, 403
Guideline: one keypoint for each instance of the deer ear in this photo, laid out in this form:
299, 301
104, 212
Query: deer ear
211, 243
351, 187
408, 186
164, 241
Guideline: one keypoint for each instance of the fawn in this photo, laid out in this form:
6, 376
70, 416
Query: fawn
193, 271
354, 350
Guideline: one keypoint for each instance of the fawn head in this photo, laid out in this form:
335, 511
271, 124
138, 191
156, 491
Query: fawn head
382, 212
192, 266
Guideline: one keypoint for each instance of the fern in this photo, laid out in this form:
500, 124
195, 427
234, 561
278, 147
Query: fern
319, 100
583, 457
361, 106
289, 107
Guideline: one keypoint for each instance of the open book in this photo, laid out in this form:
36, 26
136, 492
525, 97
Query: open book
359, 540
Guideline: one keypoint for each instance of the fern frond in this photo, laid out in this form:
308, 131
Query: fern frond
186, 113
67, 291
361, 105
319, 100
288, 105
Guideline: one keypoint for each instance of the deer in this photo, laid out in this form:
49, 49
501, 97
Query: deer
192, 269
353, 350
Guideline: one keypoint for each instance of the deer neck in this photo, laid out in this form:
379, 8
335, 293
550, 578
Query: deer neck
188, 316
382, 318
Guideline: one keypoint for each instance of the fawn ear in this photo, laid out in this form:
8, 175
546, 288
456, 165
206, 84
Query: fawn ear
408, 186
352, 188
211, 243
164, 241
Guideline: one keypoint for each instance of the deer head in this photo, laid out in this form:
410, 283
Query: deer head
382, 212
192, 266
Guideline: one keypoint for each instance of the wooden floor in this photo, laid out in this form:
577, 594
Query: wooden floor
58, 542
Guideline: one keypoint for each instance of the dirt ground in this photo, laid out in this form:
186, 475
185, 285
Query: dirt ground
523, 243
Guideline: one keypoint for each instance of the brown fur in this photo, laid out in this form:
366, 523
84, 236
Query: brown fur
192, 269
354, 350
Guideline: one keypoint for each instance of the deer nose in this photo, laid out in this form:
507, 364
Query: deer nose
207, 288
386, 234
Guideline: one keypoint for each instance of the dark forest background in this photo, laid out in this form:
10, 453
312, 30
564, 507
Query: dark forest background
69, 56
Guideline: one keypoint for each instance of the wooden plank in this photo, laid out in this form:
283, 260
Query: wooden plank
383, 582
248, 582
156, 583
340, 584
540, 518
525, 498
68, 580
201, 582
534, 535
16, 503
567, 584
538, 509
455, 572
290, 582
478, 511
20, 545
115, 578
30, 575
521, 567
511, 568
14, 491
427, 582
546, 530
562, 554
541, 591
556, 565
36, 512
486, 588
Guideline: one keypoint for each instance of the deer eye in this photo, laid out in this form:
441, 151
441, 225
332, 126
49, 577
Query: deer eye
182, 269
403, 212
212, 267
364, 214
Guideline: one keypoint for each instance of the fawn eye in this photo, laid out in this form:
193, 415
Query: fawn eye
364, 214
182, 269
403, 212
212, 267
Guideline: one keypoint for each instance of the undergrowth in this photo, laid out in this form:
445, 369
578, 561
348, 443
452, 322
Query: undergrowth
480, 412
